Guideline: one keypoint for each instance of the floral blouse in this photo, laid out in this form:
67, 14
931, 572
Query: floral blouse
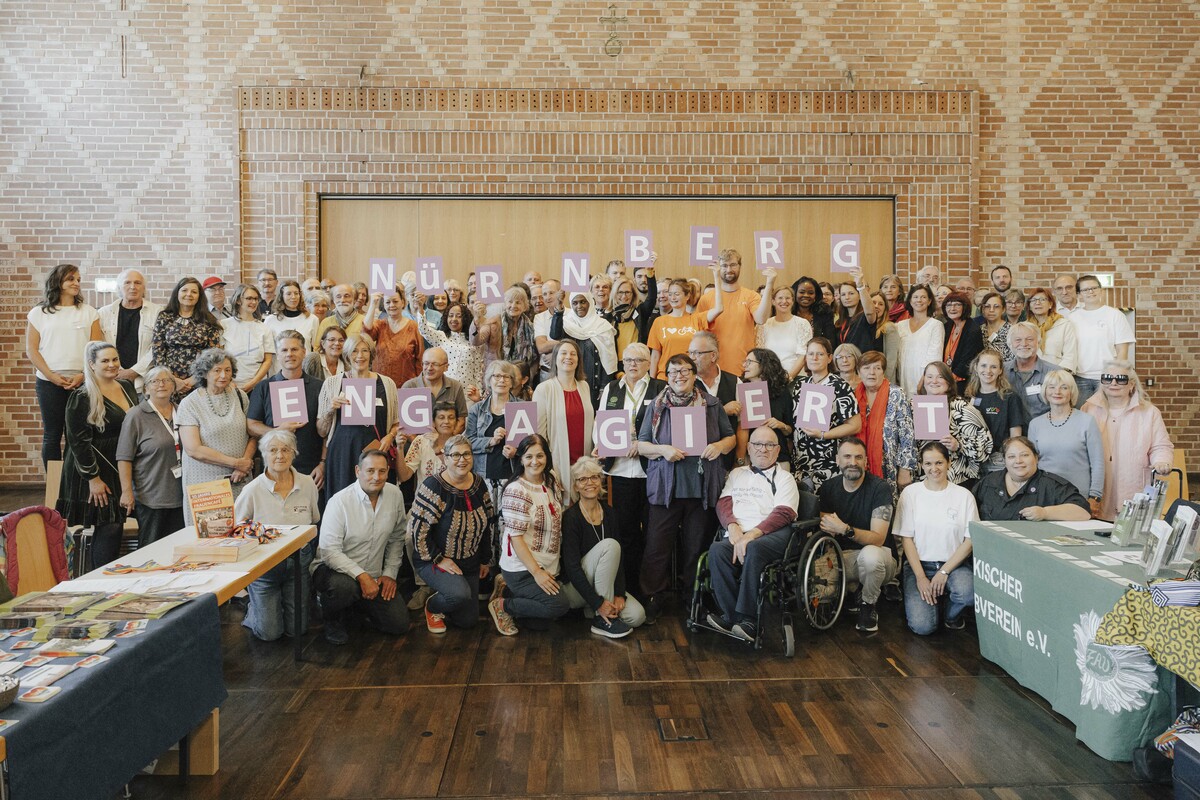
177, 341
816, 459
999, 341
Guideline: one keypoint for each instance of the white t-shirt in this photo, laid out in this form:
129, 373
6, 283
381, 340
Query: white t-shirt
937, 521
63, 336
305, 325
1099, 333
248, 343
753, 496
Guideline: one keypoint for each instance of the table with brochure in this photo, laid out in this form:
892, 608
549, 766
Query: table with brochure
1041, 591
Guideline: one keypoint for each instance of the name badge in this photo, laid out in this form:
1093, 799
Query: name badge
976, 401
1030, 391
177, 471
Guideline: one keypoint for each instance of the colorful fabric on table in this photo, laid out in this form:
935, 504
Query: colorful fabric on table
1171, 635
1176, 593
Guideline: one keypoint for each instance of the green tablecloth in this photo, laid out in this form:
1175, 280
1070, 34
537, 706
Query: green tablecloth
1038, 605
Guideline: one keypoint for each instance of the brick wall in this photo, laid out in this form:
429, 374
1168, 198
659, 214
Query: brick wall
130, 134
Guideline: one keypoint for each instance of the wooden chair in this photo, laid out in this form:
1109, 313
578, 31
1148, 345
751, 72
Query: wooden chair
36, 573
1177, 490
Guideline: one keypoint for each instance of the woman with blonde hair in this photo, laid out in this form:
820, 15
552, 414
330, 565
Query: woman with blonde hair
989, 392
89, 489
1059, 341
1070, 443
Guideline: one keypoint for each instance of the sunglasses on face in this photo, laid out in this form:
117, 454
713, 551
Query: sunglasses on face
1119, 380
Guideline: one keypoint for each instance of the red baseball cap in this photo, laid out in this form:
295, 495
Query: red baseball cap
211, 282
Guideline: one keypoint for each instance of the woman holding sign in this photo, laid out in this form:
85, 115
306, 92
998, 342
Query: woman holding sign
398, 344
969, 441
565, 410
672, 333
466, 361
345, 441
816, 444
508, 337
682, 486
763, 365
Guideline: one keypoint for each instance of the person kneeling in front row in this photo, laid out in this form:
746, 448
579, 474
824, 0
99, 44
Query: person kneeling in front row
450, 528
360, 551
932, 522
756, 509
591, 557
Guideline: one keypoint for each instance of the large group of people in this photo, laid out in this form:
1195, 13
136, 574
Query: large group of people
1047, 420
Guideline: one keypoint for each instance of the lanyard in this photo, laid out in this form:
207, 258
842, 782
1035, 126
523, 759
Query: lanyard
172, 430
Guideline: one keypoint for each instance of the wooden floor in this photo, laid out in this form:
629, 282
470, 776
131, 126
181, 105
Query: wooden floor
563, 713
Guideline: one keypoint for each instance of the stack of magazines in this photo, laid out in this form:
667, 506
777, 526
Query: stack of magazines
73, 629
52, 602
125, 605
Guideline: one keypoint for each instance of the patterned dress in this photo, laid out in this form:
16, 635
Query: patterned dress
816, 459
466, 360
974, 440
177, 341
221, 421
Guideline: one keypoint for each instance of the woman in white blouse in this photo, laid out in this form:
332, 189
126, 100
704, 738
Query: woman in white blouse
921, 338
779, 329
466, 360
288, 312
249, 341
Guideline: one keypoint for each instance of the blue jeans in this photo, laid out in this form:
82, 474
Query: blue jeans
1087, 387
735, 586
959, 596
272, 609
528, 601
457, 596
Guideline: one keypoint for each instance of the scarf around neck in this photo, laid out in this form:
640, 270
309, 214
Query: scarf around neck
873, 424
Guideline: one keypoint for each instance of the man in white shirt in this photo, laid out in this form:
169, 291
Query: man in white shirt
360, 551
1065, 297
552, 298
128, 323
756, 510
1104, 335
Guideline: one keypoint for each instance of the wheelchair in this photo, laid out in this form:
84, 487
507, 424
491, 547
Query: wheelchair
809, 581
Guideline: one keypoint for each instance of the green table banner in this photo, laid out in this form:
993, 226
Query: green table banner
1038, 605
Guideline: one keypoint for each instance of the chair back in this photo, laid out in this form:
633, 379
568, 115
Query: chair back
36, 573
53, 483
1177, 481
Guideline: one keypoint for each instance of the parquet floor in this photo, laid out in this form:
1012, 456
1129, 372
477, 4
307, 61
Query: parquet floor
563, 713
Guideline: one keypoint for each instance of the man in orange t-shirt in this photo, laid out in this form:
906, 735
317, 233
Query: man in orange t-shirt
735, 328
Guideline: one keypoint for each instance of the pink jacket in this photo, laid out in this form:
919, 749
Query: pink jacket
1135, 439
56, 530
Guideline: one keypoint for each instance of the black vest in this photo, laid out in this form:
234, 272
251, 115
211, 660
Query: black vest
616, 401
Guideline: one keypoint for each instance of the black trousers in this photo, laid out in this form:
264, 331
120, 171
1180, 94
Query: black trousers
686, 518
628, 499
52, 401
155, 523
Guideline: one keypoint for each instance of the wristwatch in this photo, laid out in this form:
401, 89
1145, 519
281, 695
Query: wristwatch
942, 571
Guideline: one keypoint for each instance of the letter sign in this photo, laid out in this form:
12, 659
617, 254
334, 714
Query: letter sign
704, 245
755, 402
843, 252
575, 272
768, 248
613, 433
520, 420
429, 274
488, 281
931, 417
415, 410
638, 245
814, 407
383, 276
287, 402
689, 432
361, 408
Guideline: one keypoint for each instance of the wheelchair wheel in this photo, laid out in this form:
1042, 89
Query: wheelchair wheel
789, 635
821, 581
700, 586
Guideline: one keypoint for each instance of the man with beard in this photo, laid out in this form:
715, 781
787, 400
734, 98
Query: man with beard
857, 509
344, 313
1027, 370
735, 328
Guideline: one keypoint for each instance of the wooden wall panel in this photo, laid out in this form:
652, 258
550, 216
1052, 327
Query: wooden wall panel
525, 234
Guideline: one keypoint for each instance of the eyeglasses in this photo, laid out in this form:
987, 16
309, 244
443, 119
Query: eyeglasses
679, 373
1089, 290
435, 364
499, 377
634, 360
750, 361
458, 456
161, 382
764, 445
698, 353
589, 479
1119, 380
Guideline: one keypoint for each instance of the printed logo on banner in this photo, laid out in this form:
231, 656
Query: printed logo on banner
575, 276
361, 408
843, 252
613, 437
703, 248
489, 283
383, 276
756, 404
1116, 679
520, 420
429, 274
287, 402
768, 249
814, 407
638, 246
689, 432
415, 409
931, 417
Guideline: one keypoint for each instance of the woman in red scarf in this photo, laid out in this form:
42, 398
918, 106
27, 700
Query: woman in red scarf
893, 292
887, 424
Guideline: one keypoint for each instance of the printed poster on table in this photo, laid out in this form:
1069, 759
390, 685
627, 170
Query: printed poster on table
212, 507
613, 433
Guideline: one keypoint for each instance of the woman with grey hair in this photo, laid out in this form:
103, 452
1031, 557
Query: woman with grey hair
95, 412
1070, 443
148, 460
450, 528
508, 337
280, 496
591, 557
212, 425
319, 303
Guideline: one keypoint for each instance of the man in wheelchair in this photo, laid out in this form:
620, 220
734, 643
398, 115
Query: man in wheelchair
856, 508
755, 510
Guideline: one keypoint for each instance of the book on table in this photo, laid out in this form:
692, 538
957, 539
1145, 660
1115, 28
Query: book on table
218, 550
52, 602
67, 648
212, 507
127, 605
73, 629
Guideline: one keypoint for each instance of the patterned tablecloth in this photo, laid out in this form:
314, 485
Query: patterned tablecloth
1171, 635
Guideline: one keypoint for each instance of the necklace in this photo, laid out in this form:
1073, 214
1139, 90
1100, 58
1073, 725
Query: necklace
1065, 419
213, 407
598, 532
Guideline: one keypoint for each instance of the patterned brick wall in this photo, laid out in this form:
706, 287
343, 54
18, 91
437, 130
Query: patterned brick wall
1074, 146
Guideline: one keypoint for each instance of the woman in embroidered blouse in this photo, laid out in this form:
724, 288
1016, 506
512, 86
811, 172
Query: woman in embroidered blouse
184, 329
565, 410
780, 330
531, 544
1059, 339
969, 440
816, 451
466, 361
887, 424
212, 426
329, 359
398, 344
994, 331
89, 491
921, 338
288, 312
